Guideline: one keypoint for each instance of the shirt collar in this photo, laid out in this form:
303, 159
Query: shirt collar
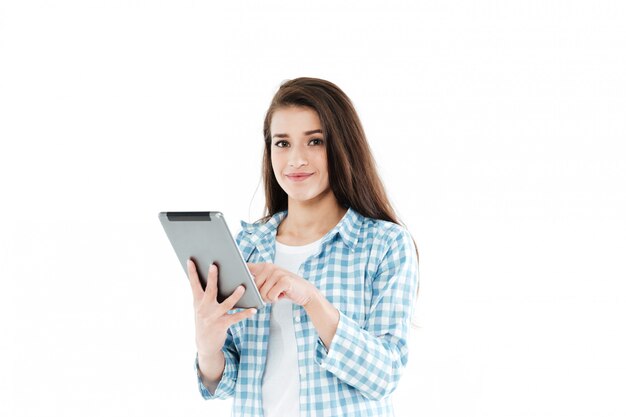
348, 228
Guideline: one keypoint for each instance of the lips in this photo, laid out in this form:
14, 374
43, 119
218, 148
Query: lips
300, 176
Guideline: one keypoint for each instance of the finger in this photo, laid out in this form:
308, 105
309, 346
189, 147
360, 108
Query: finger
267, 283
280, 287
262, 272
196, 287
260, 278
241, 315
255, 270
230, 302
211, 283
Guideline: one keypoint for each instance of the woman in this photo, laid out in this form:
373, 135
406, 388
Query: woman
337, 270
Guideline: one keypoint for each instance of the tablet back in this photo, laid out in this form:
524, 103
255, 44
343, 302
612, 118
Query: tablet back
205, 238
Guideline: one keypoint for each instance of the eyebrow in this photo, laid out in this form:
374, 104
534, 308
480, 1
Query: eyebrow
308, 132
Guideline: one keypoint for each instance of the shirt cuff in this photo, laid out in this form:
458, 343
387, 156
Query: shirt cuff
361, 359
226, 386
343, 344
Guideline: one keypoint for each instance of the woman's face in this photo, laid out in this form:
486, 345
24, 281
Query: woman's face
299, 153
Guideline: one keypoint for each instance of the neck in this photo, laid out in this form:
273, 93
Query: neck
310, 220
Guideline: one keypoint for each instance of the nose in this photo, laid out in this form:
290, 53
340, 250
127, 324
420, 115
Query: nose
297, 157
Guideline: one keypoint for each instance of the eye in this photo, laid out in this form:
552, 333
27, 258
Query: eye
317, 141
281, 144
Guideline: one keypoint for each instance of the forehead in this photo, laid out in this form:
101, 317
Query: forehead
294, 120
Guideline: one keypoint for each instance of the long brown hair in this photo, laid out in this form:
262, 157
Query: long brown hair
351, 170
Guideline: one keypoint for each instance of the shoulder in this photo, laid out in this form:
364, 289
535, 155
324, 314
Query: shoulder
246, 237
382, 235
261, 227
390, 247
249, 228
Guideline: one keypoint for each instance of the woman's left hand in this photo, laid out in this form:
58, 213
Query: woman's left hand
275, 283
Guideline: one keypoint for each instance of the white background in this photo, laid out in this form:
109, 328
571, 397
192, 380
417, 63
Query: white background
497, 127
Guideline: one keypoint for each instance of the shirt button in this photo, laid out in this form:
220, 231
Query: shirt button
297, 319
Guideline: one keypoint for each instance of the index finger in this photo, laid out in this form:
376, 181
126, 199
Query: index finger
254, 268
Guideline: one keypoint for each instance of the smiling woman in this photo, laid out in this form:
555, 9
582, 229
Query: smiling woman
338, 272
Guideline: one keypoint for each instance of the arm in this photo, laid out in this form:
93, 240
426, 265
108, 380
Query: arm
217, 373
210, 370
324, 316
371, 359
224, 386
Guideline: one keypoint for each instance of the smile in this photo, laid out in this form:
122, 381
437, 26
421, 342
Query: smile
299, 177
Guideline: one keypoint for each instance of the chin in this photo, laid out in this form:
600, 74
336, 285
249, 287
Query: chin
303, 197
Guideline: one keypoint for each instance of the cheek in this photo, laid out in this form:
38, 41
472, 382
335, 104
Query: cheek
276, 165
321, 163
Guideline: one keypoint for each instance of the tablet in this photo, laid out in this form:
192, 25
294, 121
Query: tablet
204, 237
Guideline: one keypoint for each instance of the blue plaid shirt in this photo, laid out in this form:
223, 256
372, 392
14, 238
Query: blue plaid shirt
368, 269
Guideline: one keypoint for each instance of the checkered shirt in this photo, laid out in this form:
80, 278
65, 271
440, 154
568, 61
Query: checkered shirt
368, 269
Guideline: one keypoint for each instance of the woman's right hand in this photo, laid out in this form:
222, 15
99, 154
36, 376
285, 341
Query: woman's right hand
212, 318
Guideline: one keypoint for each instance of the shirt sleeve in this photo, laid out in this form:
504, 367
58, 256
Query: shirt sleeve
371, 359
226, 386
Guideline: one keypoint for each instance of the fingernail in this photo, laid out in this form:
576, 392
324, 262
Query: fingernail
212, 268
188, 262
253, 310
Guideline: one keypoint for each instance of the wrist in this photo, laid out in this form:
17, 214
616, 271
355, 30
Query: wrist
324, 316
211, 368
208, 357
314, 300
319, 305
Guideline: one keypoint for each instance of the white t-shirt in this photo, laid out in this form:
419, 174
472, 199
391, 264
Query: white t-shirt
281, 379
